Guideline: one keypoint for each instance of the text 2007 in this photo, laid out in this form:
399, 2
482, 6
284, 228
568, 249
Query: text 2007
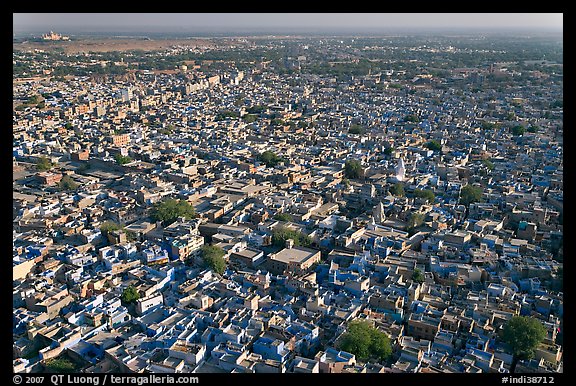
34, 379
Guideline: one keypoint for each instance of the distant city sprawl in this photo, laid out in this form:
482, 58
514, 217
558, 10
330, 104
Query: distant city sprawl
291, 204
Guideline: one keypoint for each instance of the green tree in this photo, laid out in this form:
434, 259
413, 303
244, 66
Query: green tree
67, 183
389, 150
283, 217
122, 159
558, 103
533, 129
356, 129
346, 182
523, 334
250, 118
489, 164
269, 158
213, 258
414, 221
280, 234
33, 100
397, 189
365, 341
426, 194
518, 130
470, 194
130, 295
418, 276
59, 365
169, 210
433, 145
352, 168
109, 226
411, 118
43, 164
489, 125
277, 122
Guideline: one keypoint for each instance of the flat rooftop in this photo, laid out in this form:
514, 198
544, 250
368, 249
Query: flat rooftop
295, 254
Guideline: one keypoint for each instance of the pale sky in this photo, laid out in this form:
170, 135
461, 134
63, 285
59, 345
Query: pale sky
65, 22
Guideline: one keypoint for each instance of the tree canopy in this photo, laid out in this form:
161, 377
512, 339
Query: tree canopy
43, 164
122, 159
283, 217
213, 258
411, 118
67, 183
352, 168
433, 145
109, 226
426, 194
356, 129
59, 365
397, 189
523, 334
489, 164
518, 130
470, 194
281, 234
414, 221
250, 118
418, 276
365, 341
169, 210
130, 295
269, 158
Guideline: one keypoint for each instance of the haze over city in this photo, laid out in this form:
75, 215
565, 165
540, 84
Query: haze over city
282, 22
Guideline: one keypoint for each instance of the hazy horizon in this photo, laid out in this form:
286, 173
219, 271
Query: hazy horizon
282, 23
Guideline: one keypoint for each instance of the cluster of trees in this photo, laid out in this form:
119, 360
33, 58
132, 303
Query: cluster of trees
490, 125
256, 109
281, 234
59, 365
169, 210
213, 258
110, 226
366, 341
340, 70
34, 100
225, 114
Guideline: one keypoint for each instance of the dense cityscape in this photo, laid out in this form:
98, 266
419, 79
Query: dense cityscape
288, 204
